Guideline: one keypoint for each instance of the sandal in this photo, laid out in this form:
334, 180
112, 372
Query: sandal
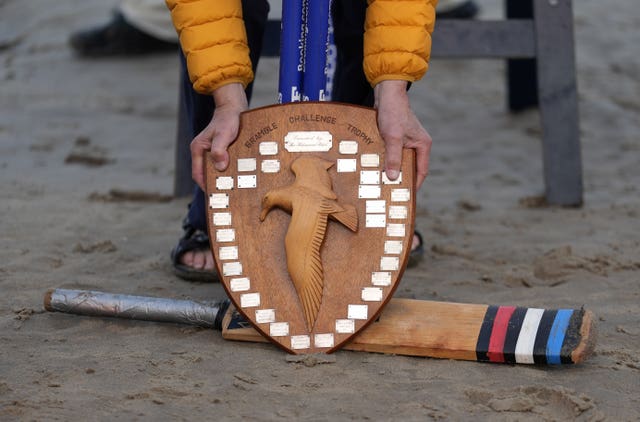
416, 255
192, 240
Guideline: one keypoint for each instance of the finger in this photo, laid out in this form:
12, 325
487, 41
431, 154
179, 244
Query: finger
225, 134
423, 152
198, 148
219, 154
422, 145
393, 157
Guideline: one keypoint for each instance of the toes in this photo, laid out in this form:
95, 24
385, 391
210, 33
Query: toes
199, 260
187, 259
415, 242
209, 263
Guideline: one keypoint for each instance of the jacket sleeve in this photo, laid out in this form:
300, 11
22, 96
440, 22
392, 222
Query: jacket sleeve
214, 41
397, 39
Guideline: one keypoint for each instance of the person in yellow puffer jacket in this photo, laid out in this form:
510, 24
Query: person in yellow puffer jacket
383, 46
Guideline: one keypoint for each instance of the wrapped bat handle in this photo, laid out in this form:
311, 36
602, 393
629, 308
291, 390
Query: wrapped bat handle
145, 308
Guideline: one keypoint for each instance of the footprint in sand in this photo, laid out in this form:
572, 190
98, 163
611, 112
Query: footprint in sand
538, 402
86, 154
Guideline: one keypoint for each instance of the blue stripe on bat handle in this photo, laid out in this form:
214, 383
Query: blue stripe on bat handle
556, 337
314, 80
291, 51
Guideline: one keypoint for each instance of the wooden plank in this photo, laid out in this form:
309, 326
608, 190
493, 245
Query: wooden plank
522, 80
512, 38
558, 98
459, 331
437, 329
182, 182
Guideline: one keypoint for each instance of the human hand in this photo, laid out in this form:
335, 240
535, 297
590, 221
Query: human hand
230, 100
400, 128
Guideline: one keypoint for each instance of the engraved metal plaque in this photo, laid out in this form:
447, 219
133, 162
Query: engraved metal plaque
221, 218
400, 195
225, 235
231, 268
300, 342
228, 253
381, 278
348, 147
270, 166
389, 263
308, 141
370, 160
241, 284
323, 340
315, 184
357, 311
268, 148
396, 230
246, 164
347, 165
376, 220
370, 177
376, 207
265, 316
224, 183
250, 300
398, 212
372, 294
369, 191
393, 247
246, 182
387, 181
345, 326
218, 200
279, 329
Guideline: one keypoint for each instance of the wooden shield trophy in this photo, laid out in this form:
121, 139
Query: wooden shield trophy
309, 235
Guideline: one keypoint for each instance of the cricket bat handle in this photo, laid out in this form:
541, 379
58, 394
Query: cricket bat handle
144, 308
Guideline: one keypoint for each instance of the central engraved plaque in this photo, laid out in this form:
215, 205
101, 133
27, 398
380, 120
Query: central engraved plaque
309, 236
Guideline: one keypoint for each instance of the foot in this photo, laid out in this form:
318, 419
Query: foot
117, 38
417, 250
415, 243
199, 260
191, 258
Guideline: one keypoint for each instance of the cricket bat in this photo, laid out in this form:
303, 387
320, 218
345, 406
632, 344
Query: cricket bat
500, 334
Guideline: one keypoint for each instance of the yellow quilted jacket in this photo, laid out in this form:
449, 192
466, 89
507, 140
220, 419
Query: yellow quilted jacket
397, 41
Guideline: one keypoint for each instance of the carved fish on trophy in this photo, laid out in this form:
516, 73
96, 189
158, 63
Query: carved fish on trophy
311, 201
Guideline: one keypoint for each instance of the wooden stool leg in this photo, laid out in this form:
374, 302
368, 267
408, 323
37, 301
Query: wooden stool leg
522, 90
557, 94
182, 182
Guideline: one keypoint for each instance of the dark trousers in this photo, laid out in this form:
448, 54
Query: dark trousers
350, 84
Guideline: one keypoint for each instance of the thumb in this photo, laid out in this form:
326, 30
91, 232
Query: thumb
219, 154
393, 158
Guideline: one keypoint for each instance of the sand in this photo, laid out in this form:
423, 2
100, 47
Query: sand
73, 132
